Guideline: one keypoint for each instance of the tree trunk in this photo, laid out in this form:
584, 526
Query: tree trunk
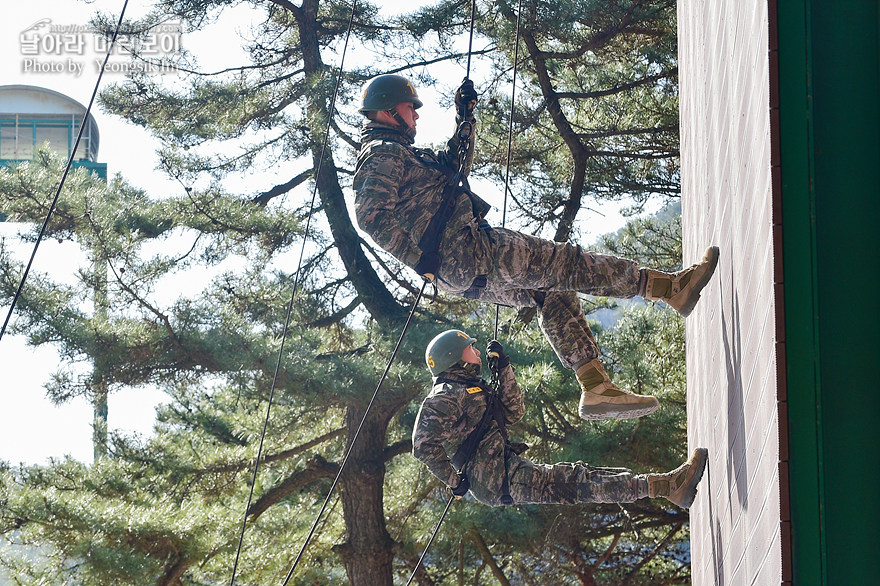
99, 366
375, 295
368, 550
566, 132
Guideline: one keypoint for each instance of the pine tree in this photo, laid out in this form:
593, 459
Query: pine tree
168, 509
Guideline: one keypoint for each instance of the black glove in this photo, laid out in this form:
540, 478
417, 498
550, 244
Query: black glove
466, 97
495, 351
463, 485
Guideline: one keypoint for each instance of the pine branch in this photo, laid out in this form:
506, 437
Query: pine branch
483, 549
626, 132
334, 318
287, 5
264, 198
356, 145
621, 88
396, 449
317, 468
654, 553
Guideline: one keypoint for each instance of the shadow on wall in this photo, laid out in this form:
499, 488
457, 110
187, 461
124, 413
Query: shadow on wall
736, 428
735, 444
717, 547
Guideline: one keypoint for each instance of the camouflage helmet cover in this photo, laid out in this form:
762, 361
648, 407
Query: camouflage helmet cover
383, 92
445, 350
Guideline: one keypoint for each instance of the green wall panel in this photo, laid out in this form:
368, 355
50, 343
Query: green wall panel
829, 70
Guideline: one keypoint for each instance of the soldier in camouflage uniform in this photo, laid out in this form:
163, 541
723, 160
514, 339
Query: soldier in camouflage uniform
398, 189
456, 405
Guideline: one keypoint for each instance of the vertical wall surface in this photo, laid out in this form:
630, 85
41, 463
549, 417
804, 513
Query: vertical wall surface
727, 200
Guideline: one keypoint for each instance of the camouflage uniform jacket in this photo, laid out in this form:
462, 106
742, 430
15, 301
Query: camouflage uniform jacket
398, 188
451, 411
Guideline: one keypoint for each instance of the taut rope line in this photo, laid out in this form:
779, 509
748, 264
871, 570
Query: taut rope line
79, 134
292, 296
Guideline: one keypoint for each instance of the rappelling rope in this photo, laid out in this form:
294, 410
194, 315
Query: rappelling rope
356, 434
492, 359
509, 138
431, 540
67, 167
293, 296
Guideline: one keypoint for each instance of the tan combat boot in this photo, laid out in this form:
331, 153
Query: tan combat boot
681, 290
680, 485
601, 399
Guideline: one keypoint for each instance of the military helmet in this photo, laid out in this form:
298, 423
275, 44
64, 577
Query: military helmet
445, 350
383, 92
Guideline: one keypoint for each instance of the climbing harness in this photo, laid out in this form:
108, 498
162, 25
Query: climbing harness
67, 167
456, 185
494, 413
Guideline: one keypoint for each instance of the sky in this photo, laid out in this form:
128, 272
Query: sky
32, 430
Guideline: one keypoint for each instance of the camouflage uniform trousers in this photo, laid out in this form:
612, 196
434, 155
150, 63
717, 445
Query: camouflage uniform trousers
564, 483
527, 271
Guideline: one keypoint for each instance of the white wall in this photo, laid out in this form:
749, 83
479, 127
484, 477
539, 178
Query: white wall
731, 335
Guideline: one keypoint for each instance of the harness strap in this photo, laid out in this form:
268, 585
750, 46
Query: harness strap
479, 206
429, 243
494, 412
